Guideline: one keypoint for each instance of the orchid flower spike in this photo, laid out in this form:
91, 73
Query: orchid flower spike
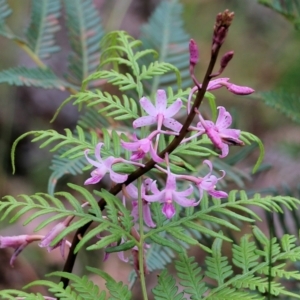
219, 133
169, 194
159, 114
105, 166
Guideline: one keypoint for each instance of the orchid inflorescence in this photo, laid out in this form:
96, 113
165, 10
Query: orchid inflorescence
160, 116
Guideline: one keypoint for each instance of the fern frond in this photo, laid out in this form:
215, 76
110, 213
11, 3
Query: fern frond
57, 289
84, 287
43, 26
10, 294
37, 77
5, 12
244, 255
85, 32
218, 267
166, 288
214, 215
165, 34
247, 138
290, 9
284, 102
120, 109
117, 289
191, 279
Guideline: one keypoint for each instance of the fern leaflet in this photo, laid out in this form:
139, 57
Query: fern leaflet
43, 25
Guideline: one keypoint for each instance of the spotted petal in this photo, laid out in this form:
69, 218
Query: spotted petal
144, 121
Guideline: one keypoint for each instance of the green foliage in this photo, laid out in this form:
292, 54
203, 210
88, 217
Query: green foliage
284, 102
44, 24
85, 32
165, 34
111, 105
118, 48
166, 288
42, 204
188, 273
5, 12
290, 9
253, 263
37, 77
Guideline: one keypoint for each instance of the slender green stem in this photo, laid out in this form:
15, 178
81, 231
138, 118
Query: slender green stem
141, 244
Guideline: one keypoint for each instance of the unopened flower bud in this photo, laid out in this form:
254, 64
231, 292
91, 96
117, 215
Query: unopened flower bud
226, 59
240, 90
194, 53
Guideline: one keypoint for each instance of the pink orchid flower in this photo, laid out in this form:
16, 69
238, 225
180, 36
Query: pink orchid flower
159, 113
219, 133
169, 194
217, 84
132, 191
105, 166
141, 147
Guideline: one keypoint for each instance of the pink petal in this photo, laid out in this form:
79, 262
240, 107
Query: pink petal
130, 146
97, 151
214, 137
122, 257
132, 191
148, 107
185, 193
147, 215
172, 124
137, 155
156, 197
94, 179
173, 109
230, 133
209, 164
118, 178
224, 119
144, 121
240, 90
225, 150
218, 194
216, 83
16, 253
154, 188
154, 155
91, 161
168, 210
171, 182
185, 202
161, 101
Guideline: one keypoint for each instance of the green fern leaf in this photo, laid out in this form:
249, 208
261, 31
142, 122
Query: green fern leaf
284, 102
166, 288
12, 294
58, 290
191, 279
37, 77
43, 26
85, 32
244, 255
165, 34
218, 267
117, 289
247, 138
84, 287
5, 12
110, 105
290, 9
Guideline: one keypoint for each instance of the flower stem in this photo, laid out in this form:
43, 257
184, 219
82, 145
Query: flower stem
141, 243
